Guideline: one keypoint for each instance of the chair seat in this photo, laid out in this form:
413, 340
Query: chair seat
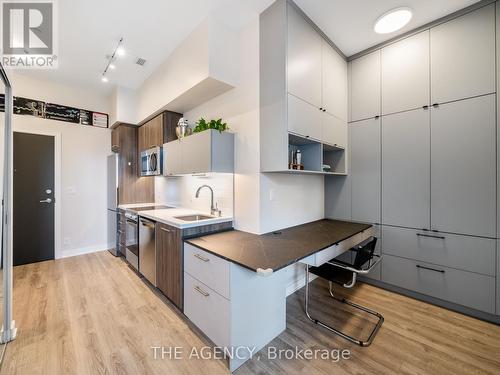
332, 273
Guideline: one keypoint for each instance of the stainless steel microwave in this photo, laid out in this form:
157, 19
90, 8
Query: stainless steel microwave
152, 162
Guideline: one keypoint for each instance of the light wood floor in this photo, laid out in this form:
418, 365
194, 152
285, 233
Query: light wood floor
92, 315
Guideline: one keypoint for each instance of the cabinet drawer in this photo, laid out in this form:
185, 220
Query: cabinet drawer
467, 253
207, 310
208, 268
461, 287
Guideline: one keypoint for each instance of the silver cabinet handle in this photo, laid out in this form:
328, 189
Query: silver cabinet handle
166, 230
48, 200
431, 236
201, 258
430, 269
147, 224
198, 289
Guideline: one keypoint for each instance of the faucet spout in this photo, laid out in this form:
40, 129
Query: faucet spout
213, 209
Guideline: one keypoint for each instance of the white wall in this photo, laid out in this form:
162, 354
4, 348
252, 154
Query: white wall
239, 107
83, 163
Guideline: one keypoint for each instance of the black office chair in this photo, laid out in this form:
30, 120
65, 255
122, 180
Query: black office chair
344, 274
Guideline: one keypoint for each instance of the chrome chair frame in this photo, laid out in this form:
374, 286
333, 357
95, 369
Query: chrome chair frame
344, 300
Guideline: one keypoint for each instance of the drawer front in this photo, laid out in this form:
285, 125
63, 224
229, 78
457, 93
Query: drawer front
208, 268
207, 310
467, 253
461, 287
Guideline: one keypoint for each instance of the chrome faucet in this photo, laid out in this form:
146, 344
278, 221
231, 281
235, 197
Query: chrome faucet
213, 209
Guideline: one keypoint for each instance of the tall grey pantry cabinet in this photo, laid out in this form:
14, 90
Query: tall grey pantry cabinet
434, 94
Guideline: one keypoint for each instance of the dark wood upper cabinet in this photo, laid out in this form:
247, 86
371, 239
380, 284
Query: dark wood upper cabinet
159, 130
115, 139
169, 275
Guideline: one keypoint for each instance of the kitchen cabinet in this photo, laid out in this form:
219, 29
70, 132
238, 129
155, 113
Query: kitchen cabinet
304, 59
465, 288
151, 133
169, 262
220, 298
304, 119
365, 170
365, 86
204, 152
334, 130
463, 56
405, 74
406, 169
334, 82
172, 159
463, 169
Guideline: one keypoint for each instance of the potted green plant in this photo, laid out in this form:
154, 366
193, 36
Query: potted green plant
202, 125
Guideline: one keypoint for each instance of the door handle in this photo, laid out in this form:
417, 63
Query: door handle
166, 230
146, 224
430, 269
201, 258
431, 236
199, 290
48, 200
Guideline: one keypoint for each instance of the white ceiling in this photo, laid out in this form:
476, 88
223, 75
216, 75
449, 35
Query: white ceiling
349, 23
90, 29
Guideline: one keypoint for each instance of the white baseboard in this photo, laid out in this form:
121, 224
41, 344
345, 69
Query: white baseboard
298, 284
83, 250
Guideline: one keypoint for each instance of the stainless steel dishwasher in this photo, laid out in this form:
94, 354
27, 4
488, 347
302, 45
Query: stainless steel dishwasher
147, 250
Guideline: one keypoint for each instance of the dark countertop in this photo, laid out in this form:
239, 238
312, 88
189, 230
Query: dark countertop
279, 249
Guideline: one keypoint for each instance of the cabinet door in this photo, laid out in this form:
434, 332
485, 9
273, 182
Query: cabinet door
334, 82
365, 86
405, 74
304, 59
196, 153
169, 274
406, 169
304, 119
142, 141
155, 130
365, 170
334, 130
463, 56
463, 167
172, 157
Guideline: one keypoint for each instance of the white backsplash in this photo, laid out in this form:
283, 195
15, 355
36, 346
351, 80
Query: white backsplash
180, 192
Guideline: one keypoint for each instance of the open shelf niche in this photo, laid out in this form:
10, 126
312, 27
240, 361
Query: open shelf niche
315, 154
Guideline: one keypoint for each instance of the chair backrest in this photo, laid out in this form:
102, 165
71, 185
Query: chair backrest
365, 253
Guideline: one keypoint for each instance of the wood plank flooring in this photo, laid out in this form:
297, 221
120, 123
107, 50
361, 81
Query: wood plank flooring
92, 315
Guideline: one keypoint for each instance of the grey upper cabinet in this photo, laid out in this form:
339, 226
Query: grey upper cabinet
304, 59
463, 56
405, 74
304, 119
334, 130
365, 87
365, 170
204, 152
334, 82
463, 170
406, 169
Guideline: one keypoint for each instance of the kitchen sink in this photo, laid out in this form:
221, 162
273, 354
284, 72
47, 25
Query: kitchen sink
193, 217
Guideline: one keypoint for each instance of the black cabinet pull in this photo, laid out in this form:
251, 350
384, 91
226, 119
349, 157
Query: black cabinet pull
321, 109
324, 110
431, 236
425, 107
377, 117
435, 105
430, 269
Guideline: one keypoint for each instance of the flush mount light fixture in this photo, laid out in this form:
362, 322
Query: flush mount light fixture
393, 20
119, 51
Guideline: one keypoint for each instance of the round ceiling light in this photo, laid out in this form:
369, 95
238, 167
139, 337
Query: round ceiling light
393, 20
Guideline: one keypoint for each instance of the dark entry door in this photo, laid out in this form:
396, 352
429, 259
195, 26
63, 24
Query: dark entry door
33, 198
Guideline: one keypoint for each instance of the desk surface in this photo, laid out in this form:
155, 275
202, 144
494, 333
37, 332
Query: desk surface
279, 249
